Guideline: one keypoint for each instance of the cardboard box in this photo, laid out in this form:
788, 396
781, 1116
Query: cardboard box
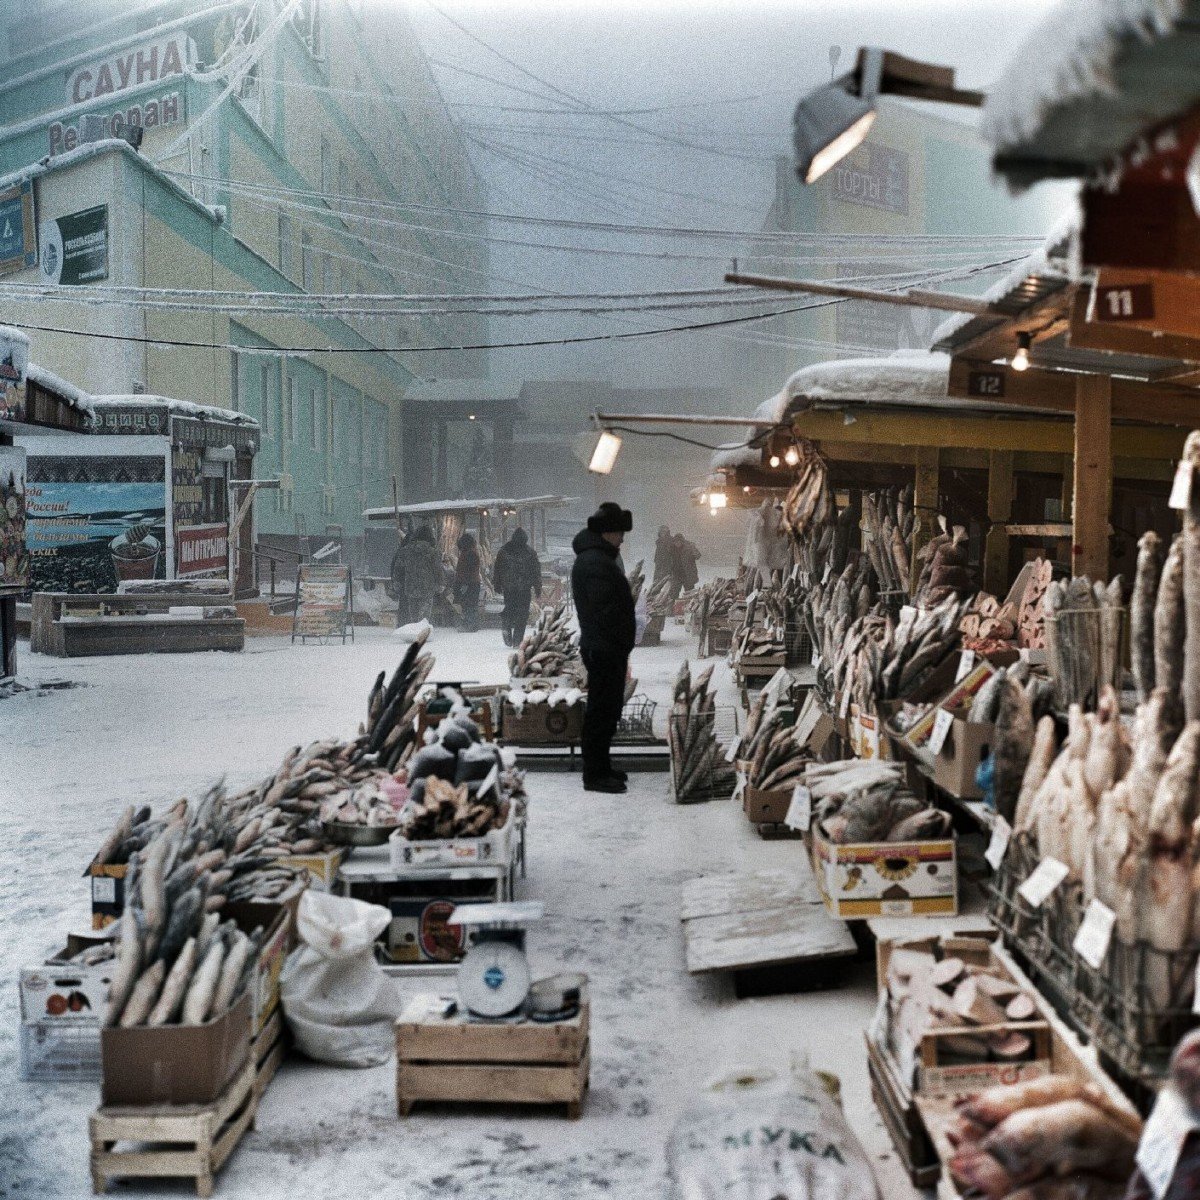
886, 879
766, 807
322, 868
541, 724
65, 992
955, 766
175, 1064
275, 920
418, 932
108, 892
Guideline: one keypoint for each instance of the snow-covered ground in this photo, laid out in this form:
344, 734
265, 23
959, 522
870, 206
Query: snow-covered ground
152, 728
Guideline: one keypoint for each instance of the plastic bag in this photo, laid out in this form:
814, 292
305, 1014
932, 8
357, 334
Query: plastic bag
762, 1135
339, 1004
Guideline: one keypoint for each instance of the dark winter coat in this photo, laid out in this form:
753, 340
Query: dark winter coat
517, 569
466, 570
664, 556
421, 567
685, 562
603, 600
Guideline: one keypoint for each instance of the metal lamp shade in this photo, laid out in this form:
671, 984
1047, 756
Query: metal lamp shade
828, 124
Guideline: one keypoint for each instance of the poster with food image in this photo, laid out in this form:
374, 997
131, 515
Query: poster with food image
90, 535
14, 554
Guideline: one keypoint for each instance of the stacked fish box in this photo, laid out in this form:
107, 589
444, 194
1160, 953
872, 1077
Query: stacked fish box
876, 849
549, 650
543, 715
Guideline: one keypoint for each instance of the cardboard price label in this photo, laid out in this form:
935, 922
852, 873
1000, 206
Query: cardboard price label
941, 730
734, 747
966, 664
998, 845
1043, 882
1162, 1140
799, 813
1095, 934
1181, 488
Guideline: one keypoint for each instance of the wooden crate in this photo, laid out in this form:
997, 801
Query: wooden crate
268, 1051
180, 1141
453, 1059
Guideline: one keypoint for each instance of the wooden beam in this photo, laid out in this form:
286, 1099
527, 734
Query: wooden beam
1054, 391
995, 551
1093, 476
926, 497
1125, 339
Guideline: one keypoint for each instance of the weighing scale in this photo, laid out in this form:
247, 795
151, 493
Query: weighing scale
494, 977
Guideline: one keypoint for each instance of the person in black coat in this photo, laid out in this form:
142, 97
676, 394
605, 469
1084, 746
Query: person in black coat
607, 629
517, 576
467, 582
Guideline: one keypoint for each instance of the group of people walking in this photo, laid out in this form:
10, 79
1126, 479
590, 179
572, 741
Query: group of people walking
419, 577
675, 558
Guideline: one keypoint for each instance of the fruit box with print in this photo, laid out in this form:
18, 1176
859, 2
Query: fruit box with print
65, 991
886, 879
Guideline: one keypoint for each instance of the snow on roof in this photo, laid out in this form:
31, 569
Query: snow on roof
13, 334
181, 408
906, 375
74, 396
1069, 56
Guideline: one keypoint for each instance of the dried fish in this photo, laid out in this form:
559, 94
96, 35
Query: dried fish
1145, 592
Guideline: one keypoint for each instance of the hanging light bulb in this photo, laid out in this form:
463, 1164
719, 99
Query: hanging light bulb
1020, 360
792, 457
774, 460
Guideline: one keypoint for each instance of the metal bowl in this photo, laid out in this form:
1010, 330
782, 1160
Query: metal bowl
357, 835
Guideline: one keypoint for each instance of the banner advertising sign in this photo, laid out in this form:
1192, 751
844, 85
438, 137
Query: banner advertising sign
14, 556
150, 62
201, 550
322, 602
92, 522
14, 362
18, 233
74, 248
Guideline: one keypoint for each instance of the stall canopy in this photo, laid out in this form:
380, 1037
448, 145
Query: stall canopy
1089, 82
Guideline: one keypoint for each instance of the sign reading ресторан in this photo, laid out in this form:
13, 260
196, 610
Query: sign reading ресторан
158, 111
137, 66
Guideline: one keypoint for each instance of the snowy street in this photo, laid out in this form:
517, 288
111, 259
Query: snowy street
609, 869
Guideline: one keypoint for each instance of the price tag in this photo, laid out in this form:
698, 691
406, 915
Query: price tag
1196, 990
493, 778
104, 889
1095, 933
966, 664
734, 747
1162, 1140
941, 730
799, 813
998, 846
845, 705
1040, 885
1181, 489
907, 612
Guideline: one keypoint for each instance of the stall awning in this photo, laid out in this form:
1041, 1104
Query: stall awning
1089, 82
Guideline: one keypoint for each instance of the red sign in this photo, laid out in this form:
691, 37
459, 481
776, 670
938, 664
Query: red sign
201, 549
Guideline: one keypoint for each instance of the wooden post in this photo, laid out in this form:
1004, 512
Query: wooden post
926, 486
1093, 476
1068, 486
995, 552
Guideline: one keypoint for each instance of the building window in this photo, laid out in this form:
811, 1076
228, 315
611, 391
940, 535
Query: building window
307, 272
287, 255
266, 401
294, 409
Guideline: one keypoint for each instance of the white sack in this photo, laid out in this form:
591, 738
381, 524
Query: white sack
338, 1002
760, 1135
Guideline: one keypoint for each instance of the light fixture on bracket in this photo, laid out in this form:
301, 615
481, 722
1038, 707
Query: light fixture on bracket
604, 455
1020, 360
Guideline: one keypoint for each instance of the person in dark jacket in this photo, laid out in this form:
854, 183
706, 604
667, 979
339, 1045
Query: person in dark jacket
467, 582
686, 555
517, 576
664, 556
422, 573
607, 627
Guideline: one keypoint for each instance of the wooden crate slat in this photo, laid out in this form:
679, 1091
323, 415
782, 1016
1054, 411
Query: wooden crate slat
561, 1042
129, 1164
490, 1082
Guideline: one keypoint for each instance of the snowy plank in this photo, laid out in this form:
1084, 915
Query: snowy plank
722, 895
770, 937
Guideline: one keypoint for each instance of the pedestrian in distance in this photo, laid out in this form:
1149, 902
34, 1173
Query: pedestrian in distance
396, 584
517, 576
686, 555
467, 582
607, 630
664, 555
421, 565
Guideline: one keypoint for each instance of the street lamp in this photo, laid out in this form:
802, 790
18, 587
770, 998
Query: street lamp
835, 118
604, 456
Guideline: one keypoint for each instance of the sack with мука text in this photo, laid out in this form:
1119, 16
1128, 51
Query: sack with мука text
338, 1003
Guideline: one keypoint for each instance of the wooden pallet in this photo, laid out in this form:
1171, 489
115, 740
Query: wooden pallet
454, 1059
268, 1050
182, 1141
